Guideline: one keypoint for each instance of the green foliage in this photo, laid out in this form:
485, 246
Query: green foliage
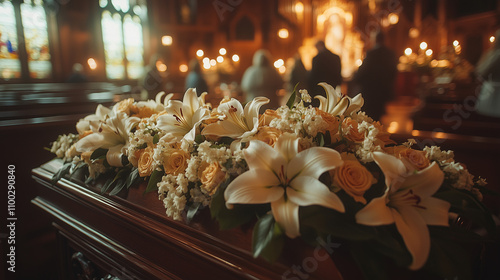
267, 239
154, 179
292, 98
62, 172
99, 153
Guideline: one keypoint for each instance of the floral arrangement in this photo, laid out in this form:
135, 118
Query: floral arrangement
298, 171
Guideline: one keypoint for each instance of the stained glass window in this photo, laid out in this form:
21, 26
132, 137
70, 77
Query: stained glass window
10, 66
36, 38
123, 37
33, 29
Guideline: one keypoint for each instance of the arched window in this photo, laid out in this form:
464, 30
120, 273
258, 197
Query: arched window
122, 35
26, 19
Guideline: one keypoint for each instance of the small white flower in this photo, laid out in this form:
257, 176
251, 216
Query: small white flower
304, 95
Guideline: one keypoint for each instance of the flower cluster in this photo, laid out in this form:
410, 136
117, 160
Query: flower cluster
285, 162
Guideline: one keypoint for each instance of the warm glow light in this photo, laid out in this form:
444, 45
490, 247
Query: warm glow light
393, 18
183, 68
492, 39
166, 40
423, 45
282, 69
434, 63
415, 133
359, 62
236, 58
278, 63
213, 62
222, 51
283, 33
299, 7
206, 65
92, 64
220, 59
458, 49
428, 52
393, 127
206, 60
385, 22
200, 53
413, 32
348, 18
455, 43
408, 51
440, 135
161, 66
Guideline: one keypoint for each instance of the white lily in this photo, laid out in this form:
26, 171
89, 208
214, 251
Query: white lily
100, 114
160, 95
285, 178
408, 203
183, 118
337, 104
111, 134
237, 122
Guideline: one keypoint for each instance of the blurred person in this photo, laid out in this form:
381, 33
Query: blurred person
77, 76
195, 78
376, 77
298, 75
262, 79
326, 68
488, 70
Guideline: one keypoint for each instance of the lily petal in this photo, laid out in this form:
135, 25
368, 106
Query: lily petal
286, 214
190, 101
260, 155
114, 156
426, 182
314, 162
394, 170
246, 189
375, 213
252, 110
415, 234
288, 145
357, 103
434, 211
307, 190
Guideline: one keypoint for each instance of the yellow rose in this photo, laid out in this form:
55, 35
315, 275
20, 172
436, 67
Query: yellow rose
350, 131
332, 121
145, 162
124, 106
175, 162
267, 134
211, 176
353, 178
267, 117
141, 112
416, 158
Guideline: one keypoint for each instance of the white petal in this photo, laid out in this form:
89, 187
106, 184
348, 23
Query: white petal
288, 145
314, 162
286, 214
224, 128
260, 155
114, 156
253, 187
251, 111
190, 101
323, 105
415, 234
356, 103
394, 170
90, 142
434, 211
426, 182
332, 96
341, 107
375, 213
306, 191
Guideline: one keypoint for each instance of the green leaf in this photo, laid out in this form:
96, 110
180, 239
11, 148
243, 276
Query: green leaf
320, 139
106, 185
99, 153
133, 178
119, 185
193, 209
267, 239
62, 172
156, 139
199, 139
154, 179
291, 100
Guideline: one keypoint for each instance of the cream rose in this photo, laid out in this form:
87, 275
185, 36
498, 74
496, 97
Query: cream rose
175, 162
124, 106
332, 121
268, 135
145, 162
266, 118
211, 176
415, 158
353, 178
351, 132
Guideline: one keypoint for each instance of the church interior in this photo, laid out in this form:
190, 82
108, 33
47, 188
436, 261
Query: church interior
60, 59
